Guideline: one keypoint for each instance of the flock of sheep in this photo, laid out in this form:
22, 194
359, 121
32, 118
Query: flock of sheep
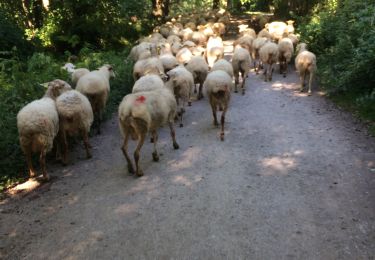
168, 64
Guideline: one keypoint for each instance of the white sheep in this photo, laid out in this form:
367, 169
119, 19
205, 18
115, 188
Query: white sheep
257, 44
137, 52
305, 63
219, 28
241, 64
182, 82
215, 50
148, 82
75, 73
264, 34
199, 38
198, 68
269, 55
145, 66
169, 62
75, 117
290, 27
184, 55
224, 65
218, 85
277, 29
38, 125
245, 41
95, 86
142, 113
186, 34
285, 54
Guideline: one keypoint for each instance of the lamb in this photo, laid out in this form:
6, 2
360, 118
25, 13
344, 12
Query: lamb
218, 85
38, 125
138, 50
241, 64
75, 73
199, 38
257, 44
269, 54
198, 68
186, 34
145, 66
95, 86
142, 113
173, 38
181, 81
224, 65
215, 50
285, 54
75, 117
305, 63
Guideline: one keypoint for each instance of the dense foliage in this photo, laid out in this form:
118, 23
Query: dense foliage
342, 34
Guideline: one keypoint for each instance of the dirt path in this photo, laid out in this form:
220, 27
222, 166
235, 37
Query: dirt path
294, 179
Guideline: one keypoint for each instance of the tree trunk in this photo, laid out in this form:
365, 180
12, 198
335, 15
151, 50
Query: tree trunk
215, 4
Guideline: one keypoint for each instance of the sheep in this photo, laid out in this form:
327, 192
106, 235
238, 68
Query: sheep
148, 83
198, 68
191, 25
199, 38
145, 66
245, 41
95, 86
218, 85
38, 125
75, 73
206, 30
264, 34
305, 62
186, 34
244, 30
219, 28
173, 38
75, 117
138, 50
269, 54
163, 48
276, 29
257, 44
294, 38
184, 55
182, 82
215, 50
285, 54
224, 65
290, 27
241, 64
142, 113
175, 47
169, 62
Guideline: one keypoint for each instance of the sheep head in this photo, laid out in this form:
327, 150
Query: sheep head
56, 88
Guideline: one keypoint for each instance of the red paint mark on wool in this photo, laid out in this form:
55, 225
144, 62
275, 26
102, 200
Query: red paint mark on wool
141, 99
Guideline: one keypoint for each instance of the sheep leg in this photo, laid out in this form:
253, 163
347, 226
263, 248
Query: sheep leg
64, 143
310, 81
285, 69
30, 164
213, 107
124, 149
136, 153
222, 123
155, 155
236, 82
302, 79
243, 84
270, 71
265, 72
200, 95
195, 88
87, 144
99, 121
173, 135
42, 161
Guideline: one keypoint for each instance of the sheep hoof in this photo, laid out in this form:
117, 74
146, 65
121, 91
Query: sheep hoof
189, 103
195, 91
222, 136
301, 90
155, 156
181, 125
235, 91
284, 75
130, 169
139, 173
175, 146
89, 155
243, 92
46, 177
151, 140
309, 93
